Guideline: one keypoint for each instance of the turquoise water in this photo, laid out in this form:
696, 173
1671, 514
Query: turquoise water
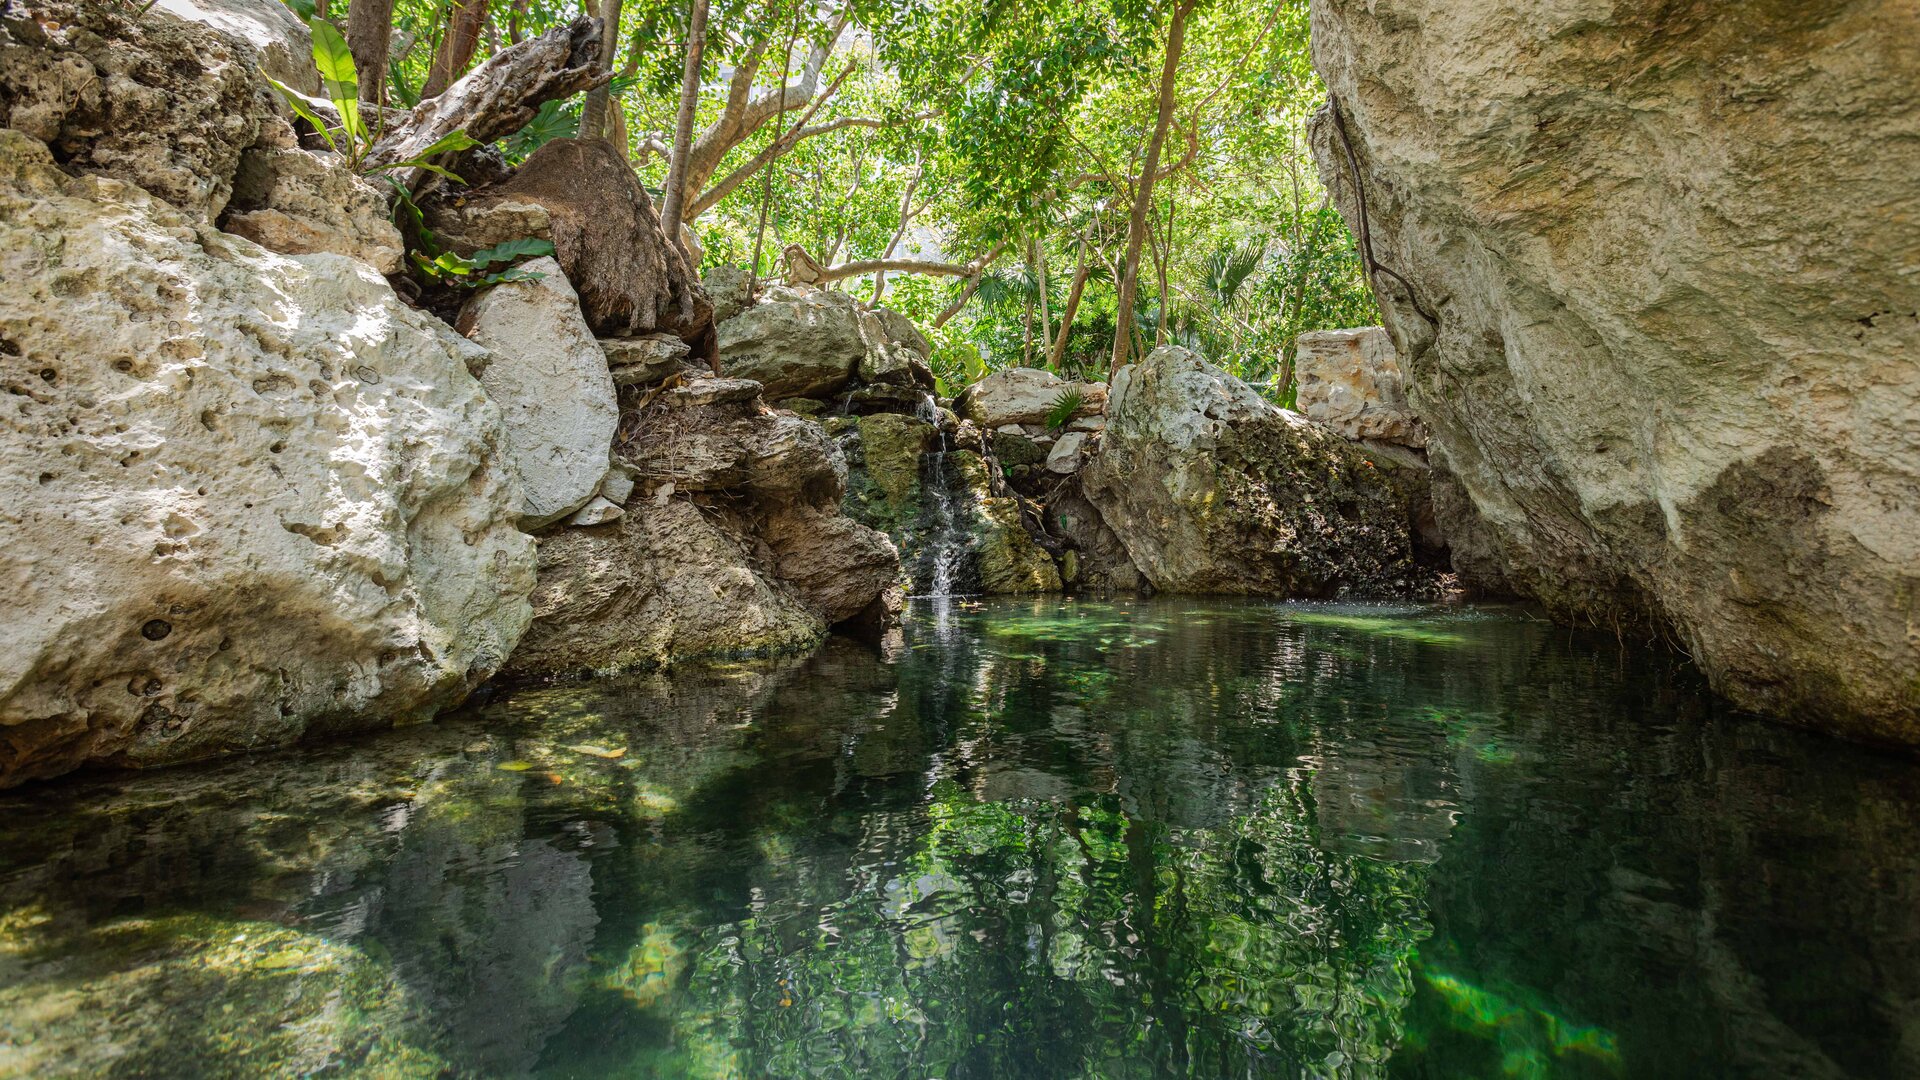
1036, 839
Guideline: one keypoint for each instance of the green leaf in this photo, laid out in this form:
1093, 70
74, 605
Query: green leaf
525, 247
301, 110
456, 139
341, 82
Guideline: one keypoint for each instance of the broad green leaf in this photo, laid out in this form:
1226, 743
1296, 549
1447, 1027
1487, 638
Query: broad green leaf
451, 141
525, 247
301, 110
338, 78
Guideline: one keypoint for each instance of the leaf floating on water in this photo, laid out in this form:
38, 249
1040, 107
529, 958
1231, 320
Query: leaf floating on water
514, 766
598, 751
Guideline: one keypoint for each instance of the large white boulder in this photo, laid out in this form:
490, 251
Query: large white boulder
550, 378
243, 496
1653, 275
148, 98
284, 42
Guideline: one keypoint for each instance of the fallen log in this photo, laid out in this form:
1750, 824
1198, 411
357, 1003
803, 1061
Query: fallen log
497, 98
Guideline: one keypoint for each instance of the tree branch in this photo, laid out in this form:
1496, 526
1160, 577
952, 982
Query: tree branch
774, 150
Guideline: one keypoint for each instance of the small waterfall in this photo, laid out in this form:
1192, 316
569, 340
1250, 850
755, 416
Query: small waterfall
944, 516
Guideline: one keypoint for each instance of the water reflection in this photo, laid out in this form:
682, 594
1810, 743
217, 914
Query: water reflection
1039, 839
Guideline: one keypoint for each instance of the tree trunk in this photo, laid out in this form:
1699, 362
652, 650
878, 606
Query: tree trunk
1026, 336
593, 112
1142, 199
1073, 308
1039, 257
369, 29
675, 199
456, 49
498, 97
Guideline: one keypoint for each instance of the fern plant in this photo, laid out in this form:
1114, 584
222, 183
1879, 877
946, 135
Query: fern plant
1065, 405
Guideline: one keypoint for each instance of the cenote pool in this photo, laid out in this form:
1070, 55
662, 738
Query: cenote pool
1052, 839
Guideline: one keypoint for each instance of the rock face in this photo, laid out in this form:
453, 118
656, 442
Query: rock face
284, 42
551, 380
1350, 381
1023, 396
286, 514
1653, 279
662, 584
297, 202
165, 104
1215, 490
731, 544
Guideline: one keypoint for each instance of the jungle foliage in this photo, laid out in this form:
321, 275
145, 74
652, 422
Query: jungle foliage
983, 156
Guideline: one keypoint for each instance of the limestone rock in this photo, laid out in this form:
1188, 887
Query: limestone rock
899, 330
797, 342
599, 510
1023, 396
550, 379
663, 584
1065, 457
1213, 489
149, 99
1662, 320
1100, 561
741, 549
1014, 450
701, 392
287, 514
836, 565
283, 41
472, 225
726, 286
642, 361
1006, 559
1350, 381
297, 202
606, 235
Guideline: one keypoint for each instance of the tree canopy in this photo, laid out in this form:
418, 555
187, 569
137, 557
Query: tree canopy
975, 165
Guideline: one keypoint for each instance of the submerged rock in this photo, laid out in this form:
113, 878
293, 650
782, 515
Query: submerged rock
288, 513
550, 378
1213, 489
1350, 381
195, 995
1652, 278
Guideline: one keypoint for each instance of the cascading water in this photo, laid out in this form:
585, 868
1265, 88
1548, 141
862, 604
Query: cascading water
945, 513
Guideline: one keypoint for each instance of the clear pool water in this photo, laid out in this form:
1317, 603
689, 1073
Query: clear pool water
1039, 839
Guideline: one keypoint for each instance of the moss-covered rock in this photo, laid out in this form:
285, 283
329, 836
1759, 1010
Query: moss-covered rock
1005, 555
